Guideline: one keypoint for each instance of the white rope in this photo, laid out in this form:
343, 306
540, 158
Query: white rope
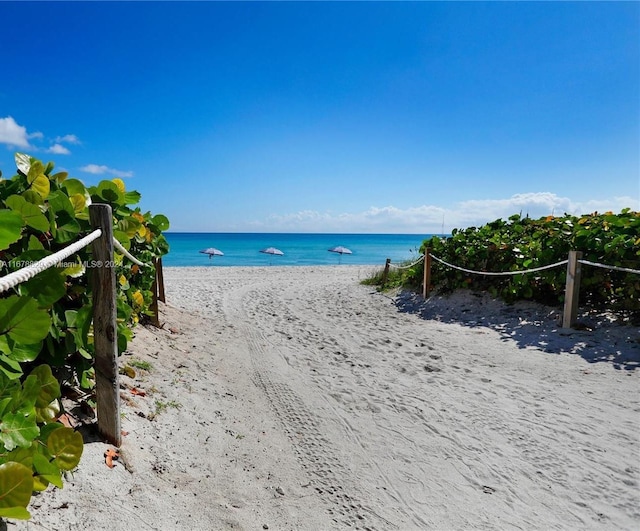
22, 275
407, 266
120, 248
615, 268
564, 262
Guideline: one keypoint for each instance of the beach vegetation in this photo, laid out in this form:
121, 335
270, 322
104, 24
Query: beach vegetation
46, 332
141, 364
521, 243
162, 406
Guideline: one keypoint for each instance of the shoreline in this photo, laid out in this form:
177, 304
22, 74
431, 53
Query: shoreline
298, 398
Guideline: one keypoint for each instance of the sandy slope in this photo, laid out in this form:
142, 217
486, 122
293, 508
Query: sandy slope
296, 398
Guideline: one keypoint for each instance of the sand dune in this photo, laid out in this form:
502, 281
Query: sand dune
297, 398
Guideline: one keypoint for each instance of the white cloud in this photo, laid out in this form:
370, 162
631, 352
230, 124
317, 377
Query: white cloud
58, 149
97, 169
68, 139
13, 134
431, 219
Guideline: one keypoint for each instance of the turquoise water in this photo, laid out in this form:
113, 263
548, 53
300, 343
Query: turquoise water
243, 249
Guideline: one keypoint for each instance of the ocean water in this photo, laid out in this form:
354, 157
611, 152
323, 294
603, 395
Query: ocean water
243, 249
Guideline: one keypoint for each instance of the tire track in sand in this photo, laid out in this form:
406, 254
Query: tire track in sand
303, 427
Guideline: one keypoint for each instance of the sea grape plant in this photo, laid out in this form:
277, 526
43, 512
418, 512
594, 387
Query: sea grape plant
35, 449
46, 336
521, 243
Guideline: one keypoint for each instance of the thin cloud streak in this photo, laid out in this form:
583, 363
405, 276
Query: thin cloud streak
101, 169
58, 149
431, 219
68, 139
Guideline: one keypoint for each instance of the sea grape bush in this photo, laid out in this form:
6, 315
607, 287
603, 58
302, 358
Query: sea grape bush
46, 336
520, 243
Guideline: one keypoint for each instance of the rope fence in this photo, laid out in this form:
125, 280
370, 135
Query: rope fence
573, 263
407, 266
503, 273
613, 268
26, 273
126, 253
103, 284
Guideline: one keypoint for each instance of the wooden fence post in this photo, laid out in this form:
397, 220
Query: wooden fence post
572, 290
155, 318
105, 331
160, 279
385, 273
426, 281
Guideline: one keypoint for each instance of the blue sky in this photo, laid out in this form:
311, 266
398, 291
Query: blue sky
331, 117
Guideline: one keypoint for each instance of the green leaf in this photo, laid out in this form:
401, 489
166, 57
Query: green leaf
17, 513
122, 238
11, 224
80, 326
49, 413
67, 227
74, 186
47, 472
46, 287
49, 386
37, 179
35, 170
74, 270
132, 198
65, 446
109, 192
78, 201
10, 368
59, 202
32, 197
16, 486
22, 320
24, 456
59, 177
18, 429
41, 185
161, 222
35, 244
24, 353
129, 226
29, 394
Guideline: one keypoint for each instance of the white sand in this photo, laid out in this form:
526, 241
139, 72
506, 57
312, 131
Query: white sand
295, 398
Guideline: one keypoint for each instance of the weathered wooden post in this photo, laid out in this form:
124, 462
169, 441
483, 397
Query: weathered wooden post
105, 331
426, 281
160, 279
385, 273
572, 290
155, 317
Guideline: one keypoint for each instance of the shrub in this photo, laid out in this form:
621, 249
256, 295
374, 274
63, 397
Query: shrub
518, 244
45, 323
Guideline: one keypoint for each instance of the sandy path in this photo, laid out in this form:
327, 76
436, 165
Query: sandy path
406, 423
296, 398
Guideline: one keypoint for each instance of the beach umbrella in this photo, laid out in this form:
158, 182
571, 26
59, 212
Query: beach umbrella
272, 251
340, 250
212, 251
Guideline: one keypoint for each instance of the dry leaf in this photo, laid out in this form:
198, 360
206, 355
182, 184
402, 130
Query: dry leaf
138, 392
65, 420
128, 371
110, 456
